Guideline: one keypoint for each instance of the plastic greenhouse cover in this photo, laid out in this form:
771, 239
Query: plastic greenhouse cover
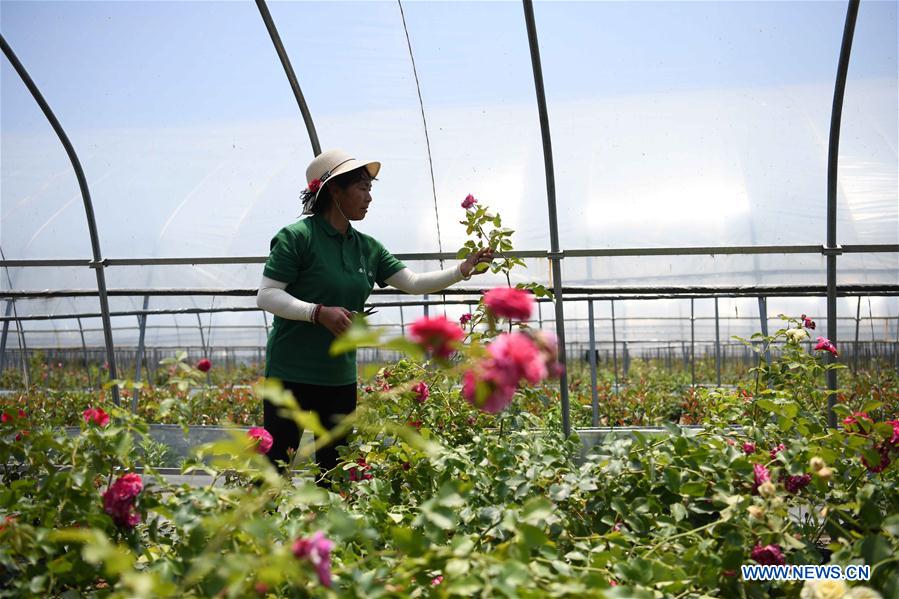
673, 124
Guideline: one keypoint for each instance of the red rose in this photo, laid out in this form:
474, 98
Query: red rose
315, 185
262, 437
204, 365
96, 415
469, 201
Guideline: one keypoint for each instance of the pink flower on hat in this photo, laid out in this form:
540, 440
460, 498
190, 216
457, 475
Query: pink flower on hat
314, 185
96, 416
469, 201
825, 344
262, 437
436, 334
510, 302
316, 549
118, 500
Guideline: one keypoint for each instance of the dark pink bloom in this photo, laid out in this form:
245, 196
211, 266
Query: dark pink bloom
883, 452
421, 391
368, 389
11, 416
769, 555
858, 422
360, 473
262, 437
761, 474
469, 201
464, 319
437, 334
794, 484
749, 448
509, 302
118, 500
826, 345
316, 549
776, 450
314, 186
96, 415
204, 365
807, 322
894, 440
436, 580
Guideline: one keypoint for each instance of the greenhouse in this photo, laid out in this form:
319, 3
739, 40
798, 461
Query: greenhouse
626, 322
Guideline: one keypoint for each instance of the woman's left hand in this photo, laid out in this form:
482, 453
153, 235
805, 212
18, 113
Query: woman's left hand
482, 256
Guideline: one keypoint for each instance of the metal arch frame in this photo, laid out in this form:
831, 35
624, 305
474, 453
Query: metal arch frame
291, 76
88, 206
833, 152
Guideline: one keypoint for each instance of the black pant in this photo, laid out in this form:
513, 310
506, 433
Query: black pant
326, 401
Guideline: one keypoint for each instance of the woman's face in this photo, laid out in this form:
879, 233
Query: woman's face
354, 200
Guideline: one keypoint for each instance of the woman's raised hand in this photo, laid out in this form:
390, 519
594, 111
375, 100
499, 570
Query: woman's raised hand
482, 256
335, 319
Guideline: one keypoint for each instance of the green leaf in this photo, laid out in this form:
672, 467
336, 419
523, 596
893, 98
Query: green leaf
536, 511
678, 511
358, 335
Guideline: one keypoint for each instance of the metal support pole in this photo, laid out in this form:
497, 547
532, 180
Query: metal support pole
833, 153
402, 322
717, 346
291, 76
426, 306
87, 364
203, 343
97, 263
142, 323
555, 253
592, 360
763, 321
265, 322
858, 312
4, 335
614, 346
692, 345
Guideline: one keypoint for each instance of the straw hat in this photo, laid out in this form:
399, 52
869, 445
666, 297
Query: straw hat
331, 163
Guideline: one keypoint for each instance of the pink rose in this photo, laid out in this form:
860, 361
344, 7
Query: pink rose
436, 581
826, 345
761, 474
749, 448
515, 356
360, 473
316, 549
769, 555
262, 437
437, 334
204, 365
421, 392
807, 322
469, 201
776, 450
464, 319
118, 500
858, 422
894, 440
489, 395
96, 415
509, 302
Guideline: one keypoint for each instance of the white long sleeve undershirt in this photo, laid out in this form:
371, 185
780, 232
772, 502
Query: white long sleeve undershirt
273, 297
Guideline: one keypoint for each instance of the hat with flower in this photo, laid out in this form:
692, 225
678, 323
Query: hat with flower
328, 165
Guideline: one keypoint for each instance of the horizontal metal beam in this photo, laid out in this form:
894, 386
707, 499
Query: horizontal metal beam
434, 256
606, 292
572, 294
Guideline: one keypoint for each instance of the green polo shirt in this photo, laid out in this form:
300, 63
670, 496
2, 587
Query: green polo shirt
321, 266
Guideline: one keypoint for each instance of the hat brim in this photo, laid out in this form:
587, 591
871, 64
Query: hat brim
372, 166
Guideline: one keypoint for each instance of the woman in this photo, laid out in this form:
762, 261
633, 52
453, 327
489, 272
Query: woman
321, 270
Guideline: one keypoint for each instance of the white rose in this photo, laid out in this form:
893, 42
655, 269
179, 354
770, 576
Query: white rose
824, 589
863, 593
796, 335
